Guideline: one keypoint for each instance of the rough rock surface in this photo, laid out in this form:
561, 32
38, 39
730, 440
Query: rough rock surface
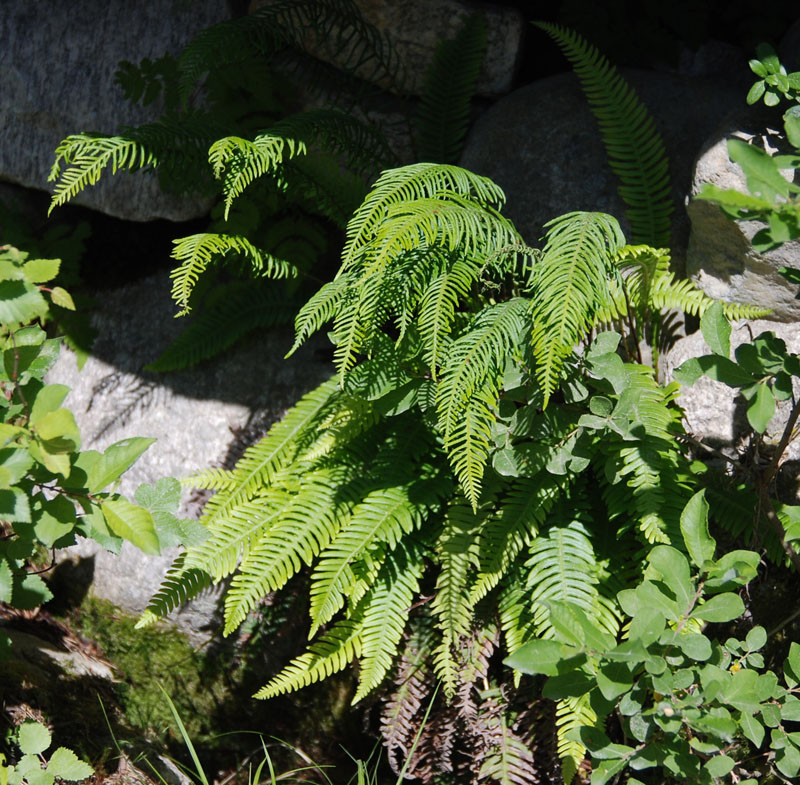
712, 411
720, 257
57, 65
416, 26
201, 417
542, 146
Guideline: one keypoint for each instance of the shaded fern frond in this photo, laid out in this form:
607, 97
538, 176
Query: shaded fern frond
333, 652
334, 28
570, 284
635, 150
457, 556
443, 112
508, 760
178, 586
237, 309
197, 251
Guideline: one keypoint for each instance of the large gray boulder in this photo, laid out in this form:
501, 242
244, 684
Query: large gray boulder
721, 259
201, 417
57, 64
542, 145
714, 412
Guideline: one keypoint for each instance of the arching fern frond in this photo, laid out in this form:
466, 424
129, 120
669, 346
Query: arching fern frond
333, 652
197, 251
178, 586
635, 150
234, 310
443, 112
570, 284
416, 181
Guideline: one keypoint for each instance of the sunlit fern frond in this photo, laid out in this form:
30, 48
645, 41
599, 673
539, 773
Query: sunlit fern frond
178, 586
457, 557
572, 713
570, 284
468, 391
634, 147
197, 251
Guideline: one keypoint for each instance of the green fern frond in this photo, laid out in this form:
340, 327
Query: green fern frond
563, 567
443, 113
233, 311
213, 479
650, 286
468, 391
178, 586
238, 162
334, 26
570, 284
522, 512
85, 157
320, 309
385, 616
197, 251
635, 150
456, 553
258, 465
508, 760
333, 652
383, 516
516, 618
408, 183
571, 714
300, 531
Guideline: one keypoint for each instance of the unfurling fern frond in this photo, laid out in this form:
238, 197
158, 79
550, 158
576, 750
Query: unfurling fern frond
570, 284
443, 112
197, 251
235, 310
634, 147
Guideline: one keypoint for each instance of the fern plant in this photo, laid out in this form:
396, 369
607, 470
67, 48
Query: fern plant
448, 474
317, 162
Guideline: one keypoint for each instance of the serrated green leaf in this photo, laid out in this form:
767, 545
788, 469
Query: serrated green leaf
30, 593
66, 765
47, 400
41, 270
33, 738
14, 506
132, 523
62, 298
117, 459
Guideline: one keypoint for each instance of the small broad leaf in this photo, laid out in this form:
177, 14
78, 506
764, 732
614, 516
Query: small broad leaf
62, 298
756, 638
115, 460
540, 656
720, 608
719, 765
733, 569
694, 645
791, 123
41, 270
59, 432
752, 728
715, 367
132, 523
762, 408
66, 765
6, 581
716, 329
34, 738
694, 527
14, 506
671, 566
791, 666
47, 400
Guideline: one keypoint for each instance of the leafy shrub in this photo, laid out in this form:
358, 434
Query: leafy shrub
33, 740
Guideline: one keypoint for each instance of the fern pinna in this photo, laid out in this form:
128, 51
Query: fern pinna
474, 460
